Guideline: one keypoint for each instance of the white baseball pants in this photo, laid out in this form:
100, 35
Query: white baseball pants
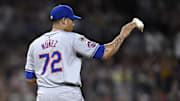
62, 93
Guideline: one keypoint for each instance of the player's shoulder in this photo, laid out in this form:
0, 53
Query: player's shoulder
73, 35
60, 34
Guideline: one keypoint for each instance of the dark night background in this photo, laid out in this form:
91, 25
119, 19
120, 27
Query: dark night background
146, 68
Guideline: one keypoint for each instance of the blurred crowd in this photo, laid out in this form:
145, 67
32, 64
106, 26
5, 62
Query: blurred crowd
146, 68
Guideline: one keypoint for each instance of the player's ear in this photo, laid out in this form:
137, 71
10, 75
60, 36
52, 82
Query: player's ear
62, 21
66, 21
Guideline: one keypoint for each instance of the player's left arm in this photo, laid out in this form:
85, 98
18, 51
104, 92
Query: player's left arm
30, 77
31, 81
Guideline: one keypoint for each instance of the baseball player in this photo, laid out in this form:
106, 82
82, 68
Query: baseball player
52, 62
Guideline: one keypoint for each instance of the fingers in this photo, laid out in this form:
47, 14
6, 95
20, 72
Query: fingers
139, 24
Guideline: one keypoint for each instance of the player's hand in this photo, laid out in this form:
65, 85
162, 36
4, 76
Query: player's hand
139, 24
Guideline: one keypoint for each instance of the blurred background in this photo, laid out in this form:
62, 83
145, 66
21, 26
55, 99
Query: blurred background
146, 68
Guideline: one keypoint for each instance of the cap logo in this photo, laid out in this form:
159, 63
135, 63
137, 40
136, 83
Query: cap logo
51, 17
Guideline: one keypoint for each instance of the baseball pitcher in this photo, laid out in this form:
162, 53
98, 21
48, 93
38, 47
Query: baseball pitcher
52, 62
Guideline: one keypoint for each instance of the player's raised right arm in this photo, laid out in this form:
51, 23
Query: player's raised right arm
112, 47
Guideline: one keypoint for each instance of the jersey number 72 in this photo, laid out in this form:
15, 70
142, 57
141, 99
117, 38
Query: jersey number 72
54, 61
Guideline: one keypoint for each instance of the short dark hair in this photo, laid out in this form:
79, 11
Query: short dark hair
55, 21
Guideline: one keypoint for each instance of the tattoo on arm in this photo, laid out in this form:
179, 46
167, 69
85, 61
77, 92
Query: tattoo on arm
112, 48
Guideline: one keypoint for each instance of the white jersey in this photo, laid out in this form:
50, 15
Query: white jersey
52, 57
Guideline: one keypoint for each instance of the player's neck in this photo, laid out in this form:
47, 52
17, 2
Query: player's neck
56, 28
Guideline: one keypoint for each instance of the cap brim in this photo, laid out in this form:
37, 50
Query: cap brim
75, 17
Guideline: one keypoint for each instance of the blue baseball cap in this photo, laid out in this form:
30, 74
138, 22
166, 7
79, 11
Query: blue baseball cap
63, 11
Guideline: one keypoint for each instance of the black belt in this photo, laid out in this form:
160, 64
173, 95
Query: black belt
70, 84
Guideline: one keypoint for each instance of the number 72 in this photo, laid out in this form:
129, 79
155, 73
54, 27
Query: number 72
54, 61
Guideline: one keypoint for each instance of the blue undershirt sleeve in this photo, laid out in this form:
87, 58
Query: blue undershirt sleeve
30, 75
99, 53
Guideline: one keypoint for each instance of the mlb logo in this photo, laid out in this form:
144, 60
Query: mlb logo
91, 44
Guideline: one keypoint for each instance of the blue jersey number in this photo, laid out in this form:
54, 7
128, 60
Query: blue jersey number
56, 58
